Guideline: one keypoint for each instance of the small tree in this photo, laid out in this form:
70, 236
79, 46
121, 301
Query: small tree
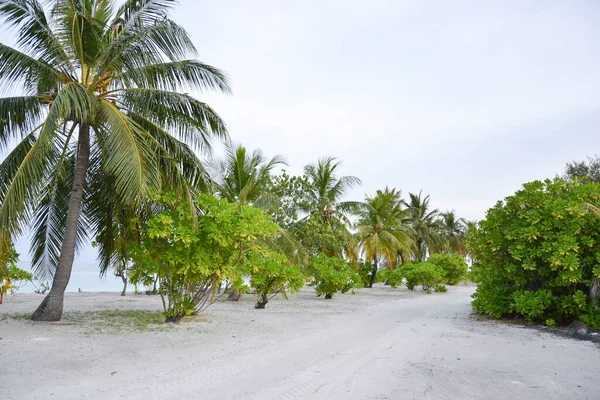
425, 274
332, 275
190, 260
454, 266
589, 171
10, 273
273, 275
394, 278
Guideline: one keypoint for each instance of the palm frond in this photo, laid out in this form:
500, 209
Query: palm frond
129, 155
50, 217
18, 117
190, 120
17, 68
34, 32
186, 75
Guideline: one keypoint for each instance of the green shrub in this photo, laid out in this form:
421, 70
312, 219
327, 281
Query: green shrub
550, 323
440, 288
273, 275
394, 278
190, 260
332, 275
454, 266
10, 273
532, 305
537, 252
424, 274
365, 269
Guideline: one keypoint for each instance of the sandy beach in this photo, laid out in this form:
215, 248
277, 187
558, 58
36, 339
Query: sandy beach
382, 343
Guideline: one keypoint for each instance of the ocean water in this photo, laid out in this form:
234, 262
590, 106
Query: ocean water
85, 274
87, 281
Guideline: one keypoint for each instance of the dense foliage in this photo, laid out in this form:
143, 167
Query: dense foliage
589, 170
100, 112
10, 274
382, 229
332, 275
191, 261
454, 267
272, 275
537, 253
428, 276
423, 274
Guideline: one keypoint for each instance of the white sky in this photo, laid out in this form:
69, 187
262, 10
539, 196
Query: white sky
464, 99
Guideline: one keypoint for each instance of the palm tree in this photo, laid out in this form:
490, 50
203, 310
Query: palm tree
324, 204
454, 231
382, 228
426, 227
102, 103
329, 189
243, 177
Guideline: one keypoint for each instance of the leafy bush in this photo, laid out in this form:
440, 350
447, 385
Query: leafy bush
190, 260
424, 274
440, 288
393, 277
333, 275
365, 269
532, 305
10, 273
454, 266
273, 275
537, 253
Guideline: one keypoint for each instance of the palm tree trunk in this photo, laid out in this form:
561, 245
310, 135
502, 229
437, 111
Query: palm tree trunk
124, 279
51, 308
374, 272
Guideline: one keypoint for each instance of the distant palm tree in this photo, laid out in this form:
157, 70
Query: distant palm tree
243, 177
426, 227
102, 103
454, 231
382, 229
329, 189
324, 204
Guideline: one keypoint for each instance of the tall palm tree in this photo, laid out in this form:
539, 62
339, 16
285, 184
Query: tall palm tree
101, 103
382, 228
324, 204
243, 177
426, 226
329, 189
454, 231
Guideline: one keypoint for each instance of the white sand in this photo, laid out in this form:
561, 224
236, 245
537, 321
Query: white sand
379, 344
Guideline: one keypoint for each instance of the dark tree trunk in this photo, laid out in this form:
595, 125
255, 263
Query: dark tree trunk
51, 308
235, 295
124, 279
262, 302
374, 272
328, 296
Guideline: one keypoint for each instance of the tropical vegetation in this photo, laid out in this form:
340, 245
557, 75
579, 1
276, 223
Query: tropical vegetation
331, 275
106, 147
536, 254
101, 111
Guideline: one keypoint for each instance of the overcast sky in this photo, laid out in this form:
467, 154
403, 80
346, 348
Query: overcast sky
465, 100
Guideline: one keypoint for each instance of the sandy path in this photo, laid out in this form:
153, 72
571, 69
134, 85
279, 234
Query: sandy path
379, 344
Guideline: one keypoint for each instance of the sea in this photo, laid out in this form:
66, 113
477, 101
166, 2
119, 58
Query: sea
85, 276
